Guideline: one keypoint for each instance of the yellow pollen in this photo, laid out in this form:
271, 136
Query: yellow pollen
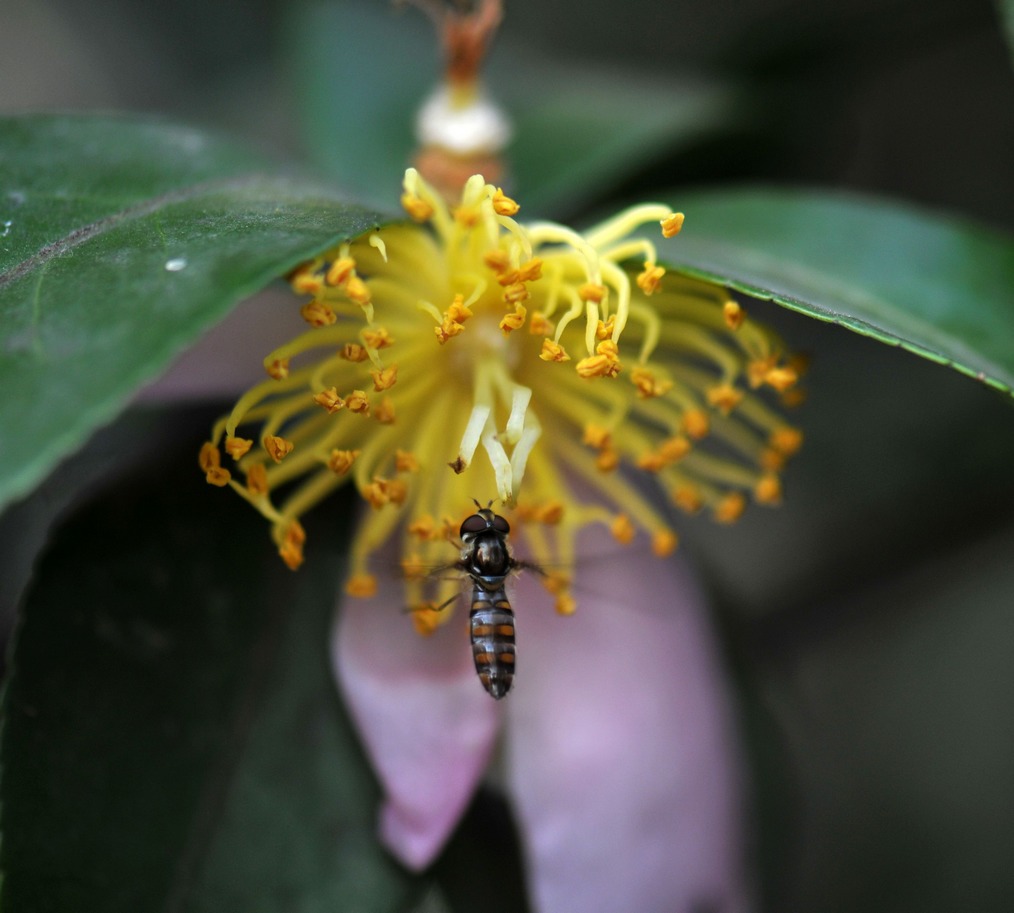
376, 493
257, 479
209, 457
340, 270
516, 293
384, 413
730, 508
237, 447
306, 282
397, 491
696, 423
771, 460
725, 398
329, 400
278, 448
291, 548
603, 364
607, 461
277, 368
385, 378
553, 351
650, 462
549, 513
318, 314
353, 352
758, 369
565, 604
604, 330
663, 543
515, 321
357, 291
448, 329
622, 529
413, 568
340, 461
377, 338
540, 325
648, 386
497, 260
786, 441
556, 583
673, 449
405, 461
217, 476
781, 379
503, 205
733, 314
596, 436
592, 291
361, 585
425, 619
466, 216
687, 498
422, 528
357, 402
650, 277
672, 224
768, 490
458, 311
417, 209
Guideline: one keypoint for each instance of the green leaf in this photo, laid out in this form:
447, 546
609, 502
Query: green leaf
362, 73
172, 739
122, 241
936, 286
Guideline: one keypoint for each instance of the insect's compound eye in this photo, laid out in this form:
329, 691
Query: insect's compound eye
474, 524
501, 525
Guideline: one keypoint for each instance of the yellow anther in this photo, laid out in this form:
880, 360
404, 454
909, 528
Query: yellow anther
209, 457
757, 370
733, 314
329, 400
649, 386
306, 282
556, 583
673, 449
237, 447
607, 461
650, 278
786, 441
592, 291
448, 329
423, 528
357, 402
553, 351
730, 507
781, 379
466, 216
404, 461
384, 413
377, 337
257, 479
384, 378
672, 224
357, 291
526, 272
361, 585
622, 529
540, 325
516, 293
696, 423
497, 260
604, 329
425, 619
603, 364
663, 543
340, 461
397, 491
565, 604
278, 448
340, 270
418, 210
503, 205
650, 461
375, 493
725, 398
768, 490
771, 460
687, 498
549, 513
458, 311
216, 475
597, 436
515, 321
277, 368
353, 352
291, 547
412, 567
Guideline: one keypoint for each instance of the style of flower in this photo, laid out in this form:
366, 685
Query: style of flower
467, 355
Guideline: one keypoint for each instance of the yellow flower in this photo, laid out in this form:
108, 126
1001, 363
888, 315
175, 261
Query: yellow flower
465, 354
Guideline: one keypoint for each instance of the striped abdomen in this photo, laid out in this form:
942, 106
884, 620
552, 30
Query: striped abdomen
492, 628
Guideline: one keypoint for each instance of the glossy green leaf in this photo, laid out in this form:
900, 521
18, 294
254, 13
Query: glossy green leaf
121, 242
363, 72
172, 738
940, 287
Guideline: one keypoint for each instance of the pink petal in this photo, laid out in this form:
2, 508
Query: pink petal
427, 724
622, 759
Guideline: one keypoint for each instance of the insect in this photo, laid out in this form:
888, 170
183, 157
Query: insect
486, 558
